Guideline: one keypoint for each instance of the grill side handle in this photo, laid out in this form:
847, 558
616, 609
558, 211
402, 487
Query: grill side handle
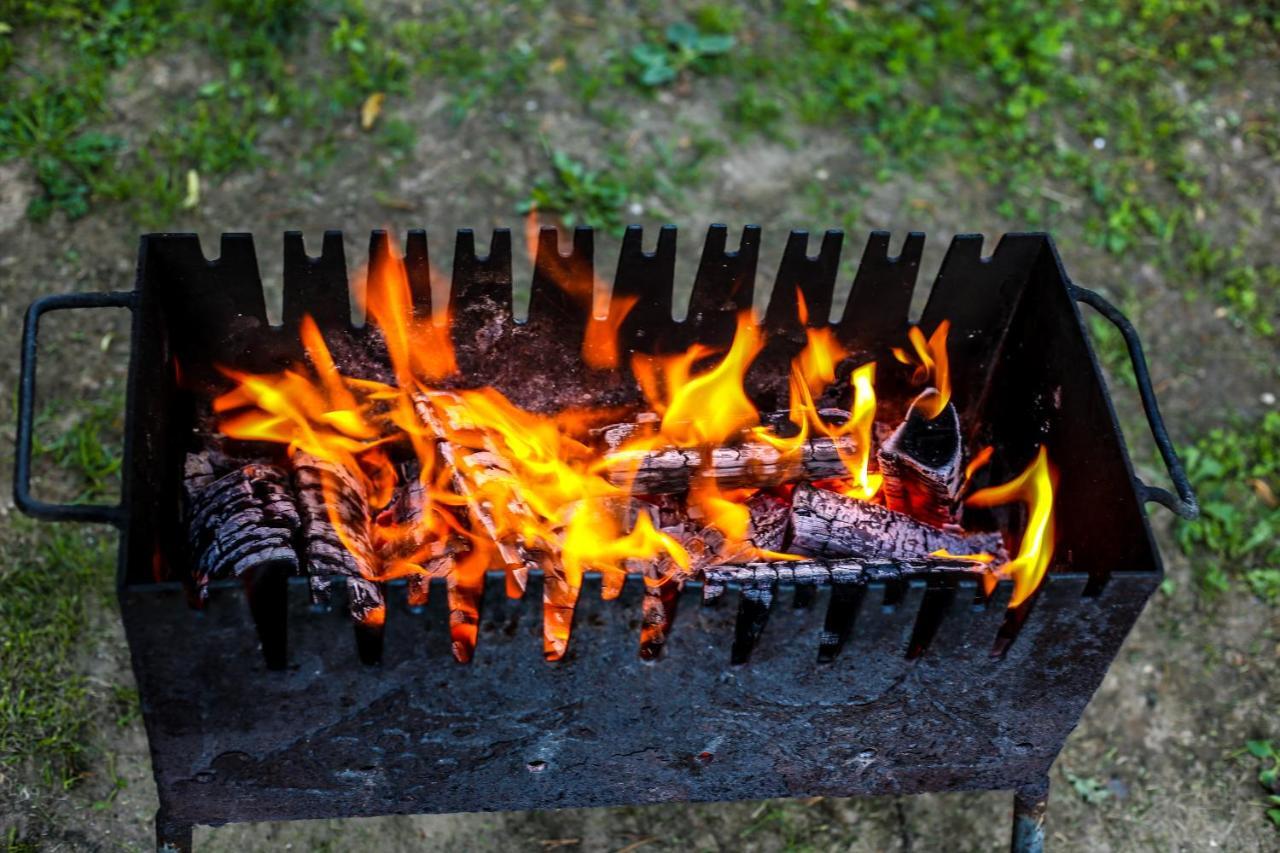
1184, 503
108, 514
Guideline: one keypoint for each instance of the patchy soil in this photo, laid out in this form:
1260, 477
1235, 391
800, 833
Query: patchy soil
1162, 738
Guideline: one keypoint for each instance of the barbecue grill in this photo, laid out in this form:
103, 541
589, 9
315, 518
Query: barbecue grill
259, 706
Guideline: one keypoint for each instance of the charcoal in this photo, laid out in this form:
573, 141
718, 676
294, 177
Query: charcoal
921, 464
327, 556
238, 522
827, 524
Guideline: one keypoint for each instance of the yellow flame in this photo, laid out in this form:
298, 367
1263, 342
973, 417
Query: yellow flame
933, 368
542, 490
708, 408
1034, 488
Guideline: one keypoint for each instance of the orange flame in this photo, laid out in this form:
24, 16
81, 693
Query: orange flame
978, 462
499, 486
1034, 488
932, 366
419, 351
812, 371
708, 408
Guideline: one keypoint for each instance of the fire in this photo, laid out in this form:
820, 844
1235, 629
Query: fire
1034, 488
710, 407
812, 371
933, 368
978, 462
502, 487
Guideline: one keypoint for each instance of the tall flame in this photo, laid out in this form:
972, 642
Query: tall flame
502, 486
1034, 488
933, 368
712, 406
812, 371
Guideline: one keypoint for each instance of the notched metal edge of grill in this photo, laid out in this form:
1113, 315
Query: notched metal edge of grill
958, 718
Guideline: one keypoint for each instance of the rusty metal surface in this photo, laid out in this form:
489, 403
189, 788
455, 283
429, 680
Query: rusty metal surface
231, 740
906, 698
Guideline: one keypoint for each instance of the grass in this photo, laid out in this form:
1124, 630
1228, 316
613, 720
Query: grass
1236, 474
578, 195
1060, 105
89, 448
52, 578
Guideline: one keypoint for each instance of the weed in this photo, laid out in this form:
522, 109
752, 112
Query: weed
685, 48
1268, 775
1236, 474
90, 448
127, 705
578, 195
1092, 790
755, 108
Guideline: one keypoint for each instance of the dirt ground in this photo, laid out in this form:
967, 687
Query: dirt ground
1157, 761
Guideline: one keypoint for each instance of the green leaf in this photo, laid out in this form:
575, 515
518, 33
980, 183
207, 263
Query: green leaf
1259, 748
714, 45
1223, 512
1274, 814
657, 75
683, 34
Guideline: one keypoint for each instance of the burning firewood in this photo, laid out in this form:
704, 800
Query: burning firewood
760, 577
827, 524
325, 487
238, 522
474, 462
707, 547
921, 463
668, 470
755, 465
616, 435
400, 534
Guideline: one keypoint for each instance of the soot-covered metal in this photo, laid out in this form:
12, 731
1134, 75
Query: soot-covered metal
258, 706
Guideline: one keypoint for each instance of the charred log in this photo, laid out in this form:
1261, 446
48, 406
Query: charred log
756, 465
707, 546
328, 496
826, 524
921, 464
474, 461
407, 544
616, 435
239, 522
762, 577
646, 424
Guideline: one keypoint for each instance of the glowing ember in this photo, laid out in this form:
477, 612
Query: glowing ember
497, 486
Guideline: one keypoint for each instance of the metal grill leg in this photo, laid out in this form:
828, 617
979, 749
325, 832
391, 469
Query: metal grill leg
172, 836
1030, 803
